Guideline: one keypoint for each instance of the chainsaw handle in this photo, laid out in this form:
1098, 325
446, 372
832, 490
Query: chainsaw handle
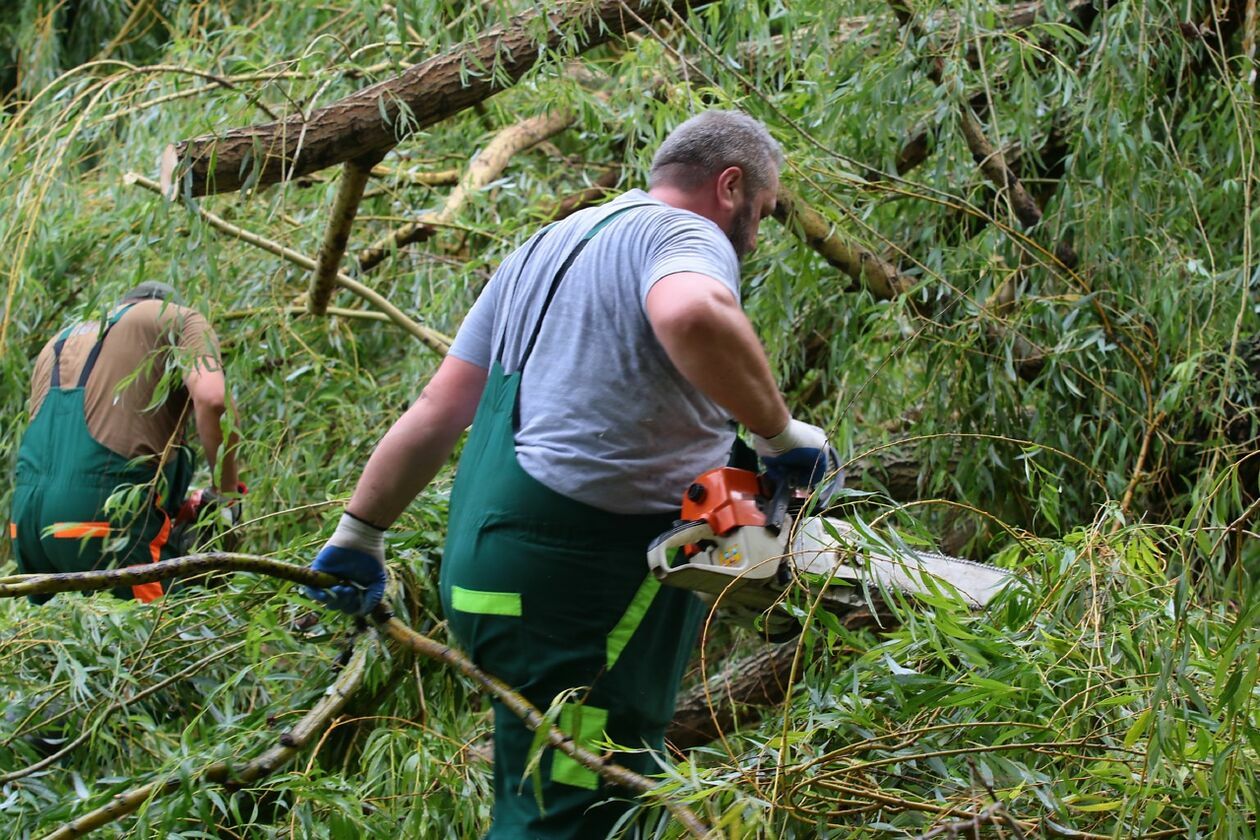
777, 507
684, 533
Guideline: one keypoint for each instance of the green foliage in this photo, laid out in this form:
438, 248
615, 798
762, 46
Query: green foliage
1116, 695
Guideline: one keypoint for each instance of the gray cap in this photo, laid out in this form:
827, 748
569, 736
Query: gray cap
152, 290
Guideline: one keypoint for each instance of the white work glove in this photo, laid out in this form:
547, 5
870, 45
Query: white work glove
800, 454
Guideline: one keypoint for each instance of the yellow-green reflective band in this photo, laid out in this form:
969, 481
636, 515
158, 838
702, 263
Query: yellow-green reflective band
630, 620
485, 603
585, 725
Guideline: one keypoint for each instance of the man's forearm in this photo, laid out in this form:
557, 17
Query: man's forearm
208, 390
402, 464
221, 460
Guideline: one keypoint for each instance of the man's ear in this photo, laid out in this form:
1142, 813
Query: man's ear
730, 188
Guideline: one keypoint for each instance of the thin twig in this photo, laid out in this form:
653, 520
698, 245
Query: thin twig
1139, 468
432, 339
991, 814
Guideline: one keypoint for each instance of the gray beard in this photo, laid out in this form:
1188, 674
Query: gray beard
741, 225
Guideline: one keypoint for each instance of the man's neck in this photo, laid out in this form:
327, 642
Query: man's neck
682, 199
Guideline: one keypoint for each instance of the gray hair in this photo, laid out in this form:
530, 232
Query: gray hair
711, 141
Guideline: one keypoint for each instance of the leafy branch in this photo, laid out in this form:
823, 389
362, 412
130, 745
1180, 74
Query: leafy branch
319, 717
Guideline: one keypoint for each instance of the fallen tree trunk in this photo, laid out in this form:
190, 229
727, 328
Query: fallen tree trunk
375, 119
744, 690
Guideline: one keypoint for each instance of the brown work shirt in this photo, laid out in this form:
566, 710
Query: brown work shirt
135, 401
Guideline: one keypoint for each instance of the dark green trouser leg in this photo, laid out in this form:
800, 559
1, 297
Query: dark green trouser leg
554, 598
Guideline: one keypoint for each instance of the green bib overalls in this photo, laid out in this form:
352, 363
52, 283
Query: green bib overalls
64, 477
554, 597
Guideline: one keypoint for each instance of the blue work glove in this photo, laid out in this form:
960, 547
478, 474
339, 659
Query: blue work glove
800, 454
356, 554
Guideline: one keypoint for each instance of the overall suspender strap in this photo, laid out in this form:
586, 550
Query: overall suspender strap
564, 269
54, 381
93, 354
538, 237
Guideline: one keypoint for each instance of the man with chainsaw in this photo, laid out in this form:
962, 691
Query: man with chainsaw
600, 370
102, 468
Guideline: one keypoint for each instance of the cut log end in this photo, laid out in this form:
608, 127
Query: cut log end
167, 163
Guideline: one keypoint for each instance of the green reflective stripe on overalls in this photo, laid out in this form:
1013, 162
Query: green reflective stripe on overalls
551, 596
63, 479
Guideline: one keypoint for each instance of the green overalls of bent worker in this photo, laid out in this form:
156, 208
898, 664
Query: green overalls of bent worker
69, 508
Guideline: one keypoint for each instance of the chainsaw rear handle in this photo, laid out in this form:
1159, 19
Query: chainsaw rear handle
684, 533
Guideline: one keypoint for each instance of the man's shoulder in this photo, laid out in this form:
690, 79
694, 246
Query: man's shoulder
160, 316
656, 216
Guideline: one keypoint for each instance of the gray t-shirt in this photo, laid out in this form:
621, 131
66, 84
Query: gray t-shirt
605, 417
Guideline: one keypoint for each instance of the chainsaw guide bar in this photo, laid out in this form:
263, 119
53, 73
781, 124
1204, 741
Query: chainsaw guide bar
737, 543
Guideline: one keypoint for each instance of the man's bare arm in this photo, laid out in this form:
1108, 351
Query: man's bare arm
418, 444
208, 390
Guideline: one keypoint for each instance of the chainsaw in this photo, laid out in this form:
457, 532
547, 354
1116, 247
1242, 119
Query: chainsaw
743, 539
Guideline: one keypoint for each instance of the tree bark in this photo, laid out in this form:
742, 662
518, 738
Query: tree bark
864, 266
488, 164
377, 118
354, 177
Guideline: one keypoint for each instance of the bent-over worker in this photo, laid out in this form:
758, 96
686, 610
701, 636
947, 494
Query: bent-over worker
109, 404
600, 369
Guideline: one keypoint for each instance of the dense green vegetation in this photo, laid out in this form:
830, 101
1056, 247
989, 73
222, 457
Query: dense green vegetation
1075, 400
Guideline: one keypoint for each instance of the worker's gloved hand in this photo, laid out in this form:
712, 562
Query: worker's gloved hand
356, 554
214, 507
207, 517
800, 454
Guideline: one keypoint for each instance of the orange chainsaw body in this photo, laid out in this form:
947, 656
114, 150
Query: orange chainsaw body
725, 498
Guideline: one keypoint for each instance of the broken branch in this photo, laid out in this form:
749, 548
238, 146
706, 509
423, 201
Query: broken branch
582, 199
482, 170
377, 118
354, 177
864, 266
987, 156
19, 585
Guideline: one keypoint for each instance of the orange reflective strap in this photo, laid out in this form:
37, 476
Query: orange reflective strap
13, 530
77, 530
146, 592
